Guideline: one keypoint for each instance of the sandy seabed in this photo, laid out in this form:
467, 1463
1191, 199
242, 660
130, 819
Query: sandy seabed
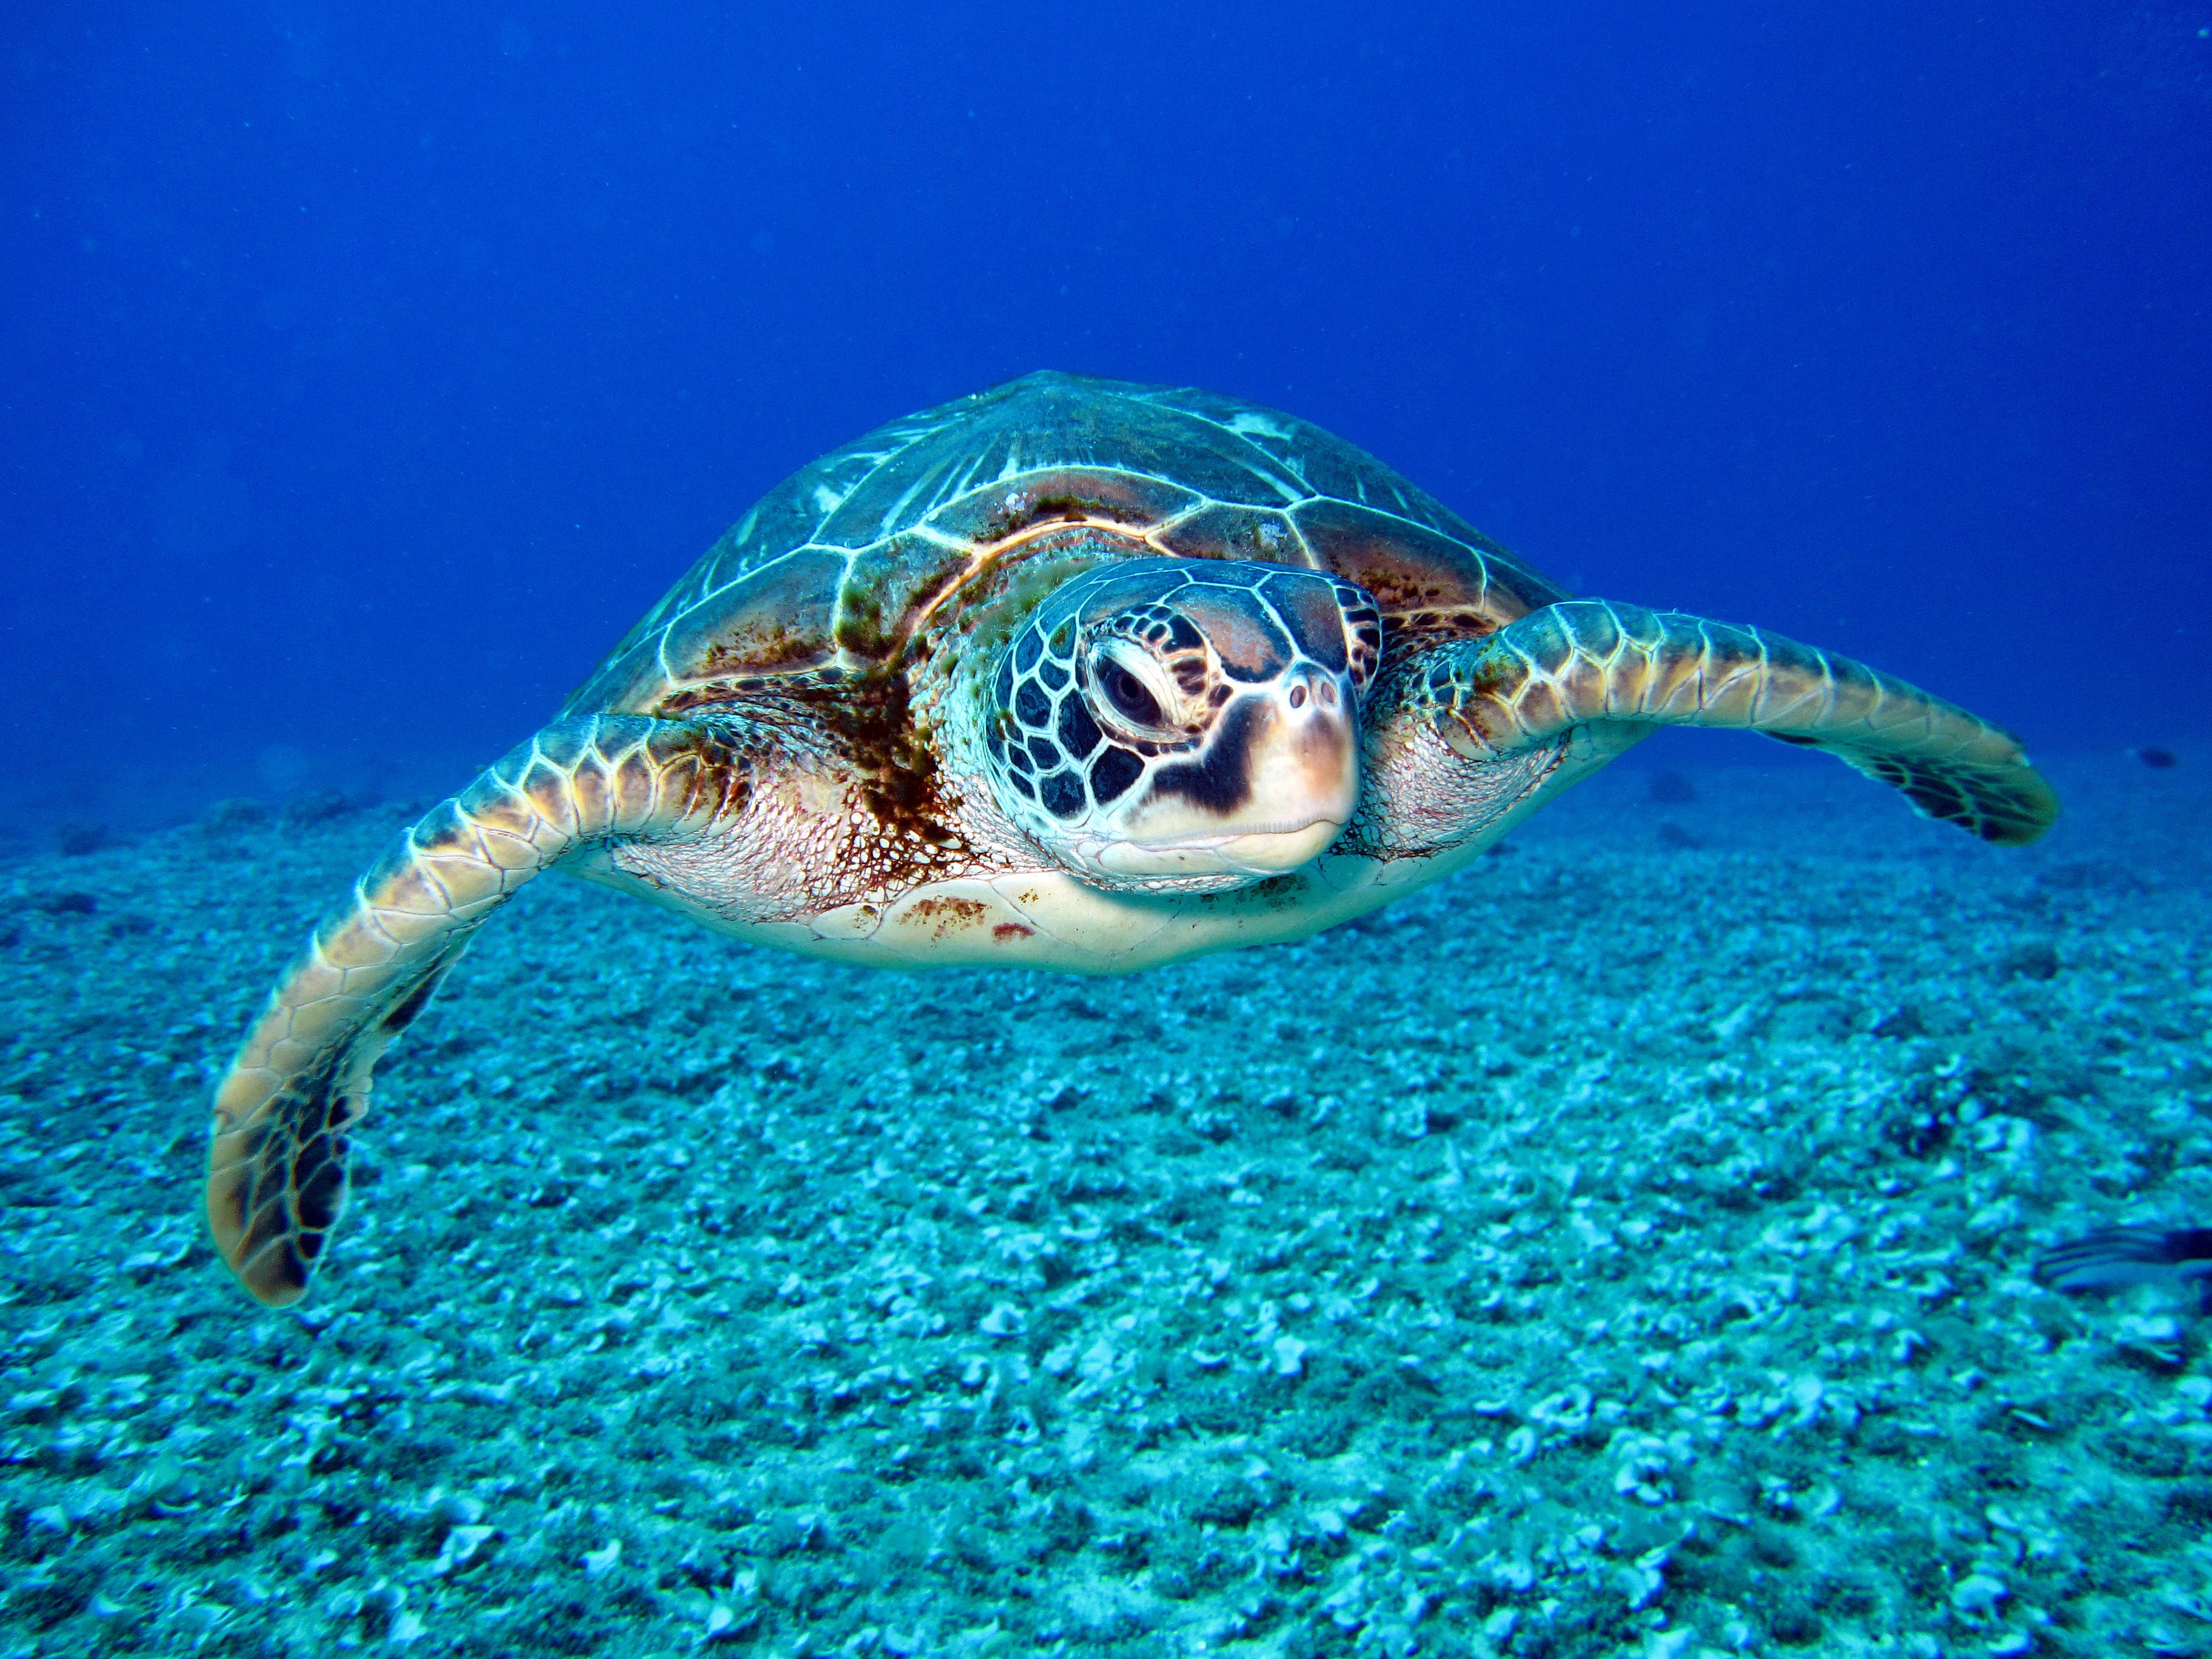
1623, 1248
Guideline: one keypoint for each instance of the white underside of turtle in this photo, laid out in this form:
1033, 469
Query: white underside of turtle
1070, 674
1015, 913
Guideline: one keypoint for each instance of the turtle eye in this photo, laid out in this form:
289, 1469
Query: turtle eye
1128, 695
1131, 690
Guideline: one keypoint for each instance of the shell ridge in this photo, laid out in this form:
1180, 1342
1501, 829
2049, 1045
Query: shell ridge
877, 541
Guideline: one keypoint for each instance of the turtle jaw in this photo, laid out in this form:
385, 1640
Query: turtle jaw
1214, 863
1278, 784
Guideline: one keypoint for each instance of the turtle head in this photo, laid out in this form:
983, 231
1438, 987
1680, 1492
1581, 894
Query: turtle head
1183, 723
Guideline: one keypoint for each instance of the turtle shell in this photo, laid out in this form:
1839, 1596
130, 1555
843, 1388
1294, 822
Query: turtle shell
840, 566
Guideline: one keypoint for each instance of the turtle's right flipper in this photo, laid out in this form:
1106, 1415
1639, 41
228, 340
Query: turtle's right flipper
277, 1169
1591, 661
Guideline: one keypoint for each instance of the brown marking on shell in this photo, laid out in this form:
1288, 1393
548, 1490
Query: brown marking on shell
883, 555
1066, 495
1410, 569
947, 915
981, 613
896, 587
1446, 623
1235, 532
776, 618
1007, 931
764, 694
931, 575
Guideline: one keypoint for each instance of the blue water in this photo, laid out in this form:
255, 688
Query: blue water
368, 370
1624, 1248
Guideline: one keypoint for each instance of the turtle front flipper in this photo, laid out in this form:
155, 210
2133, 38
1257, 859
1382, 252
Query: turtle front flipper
1591, 662
277, 1170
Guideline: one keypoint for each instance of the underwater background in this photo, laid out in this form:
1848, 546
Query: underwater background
1623, 1248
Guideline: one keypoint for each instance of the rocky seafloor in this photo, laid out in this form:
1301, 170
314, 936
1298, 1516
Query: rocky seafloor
1623, 1248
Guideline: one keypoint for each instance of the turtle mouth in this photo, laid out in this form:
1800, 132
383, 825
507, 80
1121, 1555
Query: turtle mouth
1269, 794
1251, 854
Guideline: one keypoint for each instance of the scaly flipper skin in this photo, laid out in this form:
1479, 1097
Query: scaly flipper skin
277, 1170
1583, 661
1069, 674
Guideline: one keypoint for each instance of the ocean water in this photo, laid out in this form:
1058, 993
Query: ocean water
1625, 1247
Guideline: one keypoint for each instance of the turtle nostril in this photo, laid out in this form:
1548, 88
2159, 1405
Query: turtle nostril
1328, 693
1297, 697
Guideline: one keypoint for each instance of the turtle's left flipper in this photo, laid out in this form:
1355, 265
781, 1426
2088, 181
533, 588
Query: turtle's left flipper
1590, 661
277, 1170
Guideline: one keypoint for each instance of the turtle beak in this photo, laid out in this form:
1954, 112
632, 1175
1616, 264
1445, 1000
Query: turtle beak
1303, 765
1274, 789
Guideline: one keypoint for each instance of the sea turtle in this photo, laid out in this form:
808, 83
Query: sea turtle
1071, 673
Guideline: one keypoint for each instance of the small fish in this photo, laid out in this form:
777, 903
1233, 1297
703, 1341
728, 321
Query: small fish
2158, 759
2113, 1257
